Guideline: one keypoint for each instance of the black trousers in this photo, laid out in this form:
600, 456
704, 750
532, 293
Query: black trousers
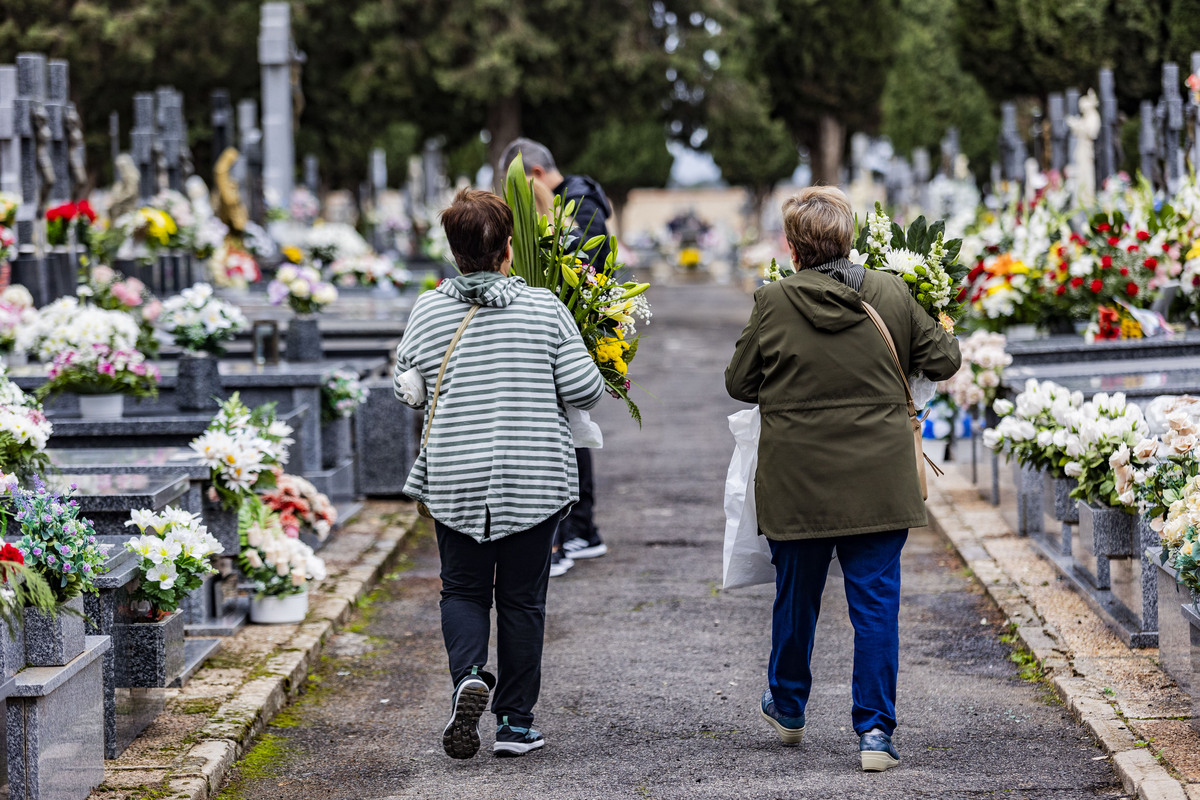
580, 522
514, 570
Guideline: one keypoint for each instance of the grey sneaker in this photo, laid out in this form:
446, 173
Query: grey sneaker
790, 729
460, 738
877, 752
515, 741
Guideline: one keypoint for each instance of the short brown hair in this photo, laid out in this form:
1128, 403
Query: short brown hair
819, 223
477, 226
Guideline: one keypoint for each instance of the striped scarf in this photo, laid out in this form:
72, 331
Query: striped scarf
845, 271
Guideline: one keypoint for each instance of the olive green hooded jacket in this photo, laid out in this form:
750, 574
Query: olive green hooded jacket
836, 452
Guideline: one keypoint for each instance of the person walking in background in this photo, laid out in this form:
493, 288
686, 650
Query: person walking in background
578, 538
837, 471
497, 360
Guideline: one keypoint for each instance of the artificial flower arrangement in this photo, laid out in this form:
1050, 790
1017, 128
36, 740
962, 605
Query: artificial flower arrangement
232, 267
62, 218
56, 542
978, 379
110, 290
24, 586
173, 551
8, 244
201, 322
298, 503
24, 431
1108, 429
331, 241
302, 288
17, 315
341, 394
546, 255
66, 324
1159, 467
276, 564
369, 269
1039, 429
241, 447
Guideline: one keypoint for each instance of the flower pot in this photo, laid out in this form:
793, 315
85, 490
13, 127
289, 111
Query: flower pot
1065, 508
269, 610
1030, 485
101, 406
1174, 631
1104, 532
148, 654
198, 383
303, 342
336, 442
53, 640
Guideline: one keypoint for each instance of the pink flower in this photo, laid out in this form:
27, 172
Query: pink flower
126, 294
106, 368
153, 310
139, 369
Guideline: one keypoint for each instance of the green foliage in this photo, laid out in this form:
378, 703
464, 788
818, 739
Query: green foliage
927, 91
56, 542
624, 156
518, 192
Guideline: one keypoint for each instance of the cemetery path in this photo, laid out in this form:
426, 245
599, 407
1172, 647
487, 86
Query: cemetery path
652, 676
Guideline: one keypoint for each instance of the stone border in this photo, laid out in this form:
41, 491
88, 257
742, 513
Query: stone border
232, 729
1139, 771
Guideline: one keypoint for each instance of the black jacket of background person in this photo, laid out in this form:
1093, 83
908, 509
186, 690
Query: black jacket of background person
592, 210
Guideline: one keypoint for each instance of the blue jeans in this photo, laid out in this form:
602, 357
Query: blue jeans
871, 565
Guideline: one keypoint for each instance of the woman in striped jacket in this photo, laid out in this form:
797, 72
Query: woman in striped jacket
498, 468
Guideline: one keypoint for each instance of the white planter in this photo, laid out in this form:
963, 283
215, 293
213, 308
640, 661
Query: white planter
101, 406
276, 610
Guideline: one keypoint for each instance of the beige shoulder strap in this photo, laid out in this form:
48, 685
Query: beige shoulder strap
437, 389
887, 337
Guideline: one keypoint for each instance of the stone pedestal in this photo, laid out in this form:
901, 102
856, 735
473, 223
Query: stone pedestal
303, 342
54, 639
198, 382
1134, 584
1174, 632
55, 728
1030, 483
1104, 533
217, 608
150, 655
387, 435
337, 442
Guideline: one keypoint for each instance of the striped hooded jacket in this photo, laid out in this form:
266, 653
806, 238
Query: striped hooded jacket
499, 458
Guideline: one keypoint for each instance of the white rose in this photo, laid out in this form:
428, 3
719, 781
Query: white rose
1183, 444
286, 274
1146, 449
1073, 469
1119, 458
1003, 407
1061, 435
1127, 498
253, 558
991, 438
1045, 438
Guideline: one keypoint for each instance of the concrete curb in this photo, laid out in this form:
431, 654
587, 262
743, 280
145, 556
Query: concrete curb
231, 731
1139, 771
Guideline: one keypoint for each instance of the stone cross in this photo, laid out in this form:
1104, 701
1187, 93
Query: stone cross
1172, 154
222, 123
1056, 105
1148, 141
36, 170
10, 142
250, 165
276, 53
142, 140
114, 138
1072, 109
172, 132
1012, 148
56, 115
312, 174
1106, 144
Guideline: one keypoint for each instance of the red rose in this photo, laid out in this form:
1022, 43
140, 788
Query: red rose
1196, 281
1124, 271
1143, 236
1077, 282
1103, 226
1113, 241
1150, 263
1077, 239
10, 553
1096, 285
1106, 261
1131, 289
1133, 248
65, 211
1060, 291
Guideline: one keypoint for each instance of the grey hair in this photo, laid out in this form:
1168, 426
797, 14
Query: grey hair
533, 154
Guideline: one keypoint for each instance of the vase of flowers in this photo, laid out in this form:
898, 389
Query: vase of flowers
279, 567
24, 431
242, 446
201, 324
300, 505
306, 294
174, 556
60, 547
341, 395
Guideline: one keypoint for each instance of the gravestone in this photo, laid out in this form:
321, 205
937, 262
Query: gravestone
249, 168
57, 98
1072, 110
172, 134
312, 175
1057, 107
1037, 135
36, 173
950, 149
433, 168
1109, 138
378, 187
1148, 141
276, 54
142, 143
10, 144
222, 123
1012, 148
1172, 152
114, 138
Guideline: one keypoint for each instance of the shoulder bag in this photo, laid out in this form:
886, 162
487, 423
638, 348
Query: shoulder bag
913, 417
423, 509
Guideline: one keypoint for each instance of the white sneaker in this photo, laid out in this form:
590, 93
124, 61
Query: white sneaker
579, 547
559, 564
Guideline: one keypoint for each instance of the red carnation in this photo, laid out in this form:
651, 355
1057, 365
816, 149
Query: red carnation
975, 273
10, 553
1060, 291
962, 295
65, 211
85, 209
1103, 226
1143, 236
1166, 247
1106, 261
1077, 282
1096, 285
1151, 263
1124, 271
1196, 281
1131, 289
1113, 241
1133, 248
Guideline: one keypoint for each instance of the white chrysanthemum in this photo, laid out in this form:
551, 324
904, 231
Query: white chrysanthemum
902, 262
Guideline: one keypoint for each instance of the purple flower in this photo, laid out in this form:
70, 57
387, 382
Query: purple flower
74, 486
66, 566
65, 550
86, 568
91, 540
37, 551
46, 518
51, 560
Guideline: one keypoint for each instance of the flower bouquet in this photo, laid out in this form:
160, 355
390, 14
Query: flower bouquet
1038, 430
546, 255
368, 270
276, 564
241, 446
334, 240
65, 324
101, 369
233, 267
200, 321
341, 394
56, 542
17, 317
302, 288
298, 503
108, 289
8, 208
1108, 429
24, 431
62, 218
173, 558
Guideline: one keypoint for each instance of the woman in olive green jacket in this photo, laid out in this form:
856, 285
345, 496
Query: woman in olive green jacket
836, 467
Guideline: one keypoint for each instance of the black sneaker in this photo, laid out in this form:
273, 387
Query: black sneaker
514, 741
460, 739
579, 547
559, 564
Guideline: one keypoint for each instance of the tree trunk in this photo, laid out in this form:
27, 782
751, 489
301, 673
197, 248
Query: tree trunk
827, 158
504, 125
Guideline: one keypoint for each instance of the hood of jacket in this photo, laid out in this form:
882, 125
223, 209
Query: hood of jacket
824, 301
575, 187
490, 289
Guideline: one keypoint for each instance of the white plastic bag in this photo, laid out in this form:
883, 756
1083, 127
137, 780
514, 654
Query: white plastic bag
747, 555
584, 432
410, 388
